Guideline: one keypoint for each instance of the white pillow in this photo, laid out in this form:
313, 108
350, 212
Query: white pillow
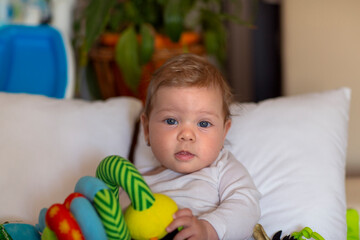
294, 148
48, 144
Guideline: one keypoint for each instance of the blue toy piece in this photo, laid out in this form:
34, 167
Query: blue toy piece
42, 224
33, 60
19, 231
88, 220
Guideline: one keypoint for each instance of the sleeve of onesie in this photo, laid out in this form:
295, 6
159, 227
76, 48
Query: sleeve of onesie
238, 209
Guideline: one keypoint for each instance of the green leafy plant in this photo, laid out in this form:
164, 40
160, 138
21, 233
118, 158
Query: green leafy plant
137, 21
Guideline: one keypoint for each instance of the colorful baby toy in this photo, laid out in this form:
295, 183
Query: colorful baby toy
93, 211
97, 213
306, 233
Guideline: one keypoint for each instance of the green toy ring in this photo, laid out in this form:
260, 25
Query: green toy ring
149, 215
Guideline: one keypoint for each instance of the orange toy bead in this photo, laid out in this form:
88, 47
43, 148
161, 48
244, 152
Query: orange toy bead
71, 197
62, 223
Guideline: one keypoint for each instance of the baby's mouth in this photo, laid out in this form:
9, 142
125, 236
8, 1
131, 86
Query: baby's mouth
184, 156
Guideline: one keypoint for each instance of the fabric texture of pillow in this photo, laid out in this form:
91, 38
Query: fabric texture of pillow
295, 149
48, 144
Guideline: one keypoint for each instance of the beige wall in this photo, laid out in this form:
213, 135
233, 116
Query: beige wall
321, 50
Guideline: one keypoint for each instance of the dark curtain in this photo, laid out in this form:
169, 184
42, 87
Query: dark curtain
254, 57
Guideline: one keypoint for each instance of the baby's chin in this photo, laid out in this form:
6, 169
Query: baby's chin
185, 169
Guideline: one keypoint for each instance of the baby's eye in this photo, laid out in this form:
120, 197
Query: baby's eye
204, 124
171, 121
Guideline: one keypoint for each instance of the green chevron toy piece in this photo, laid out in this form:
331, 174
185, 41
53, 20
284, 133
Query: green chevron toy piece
110, 215
148, 215
118, 172
4, 234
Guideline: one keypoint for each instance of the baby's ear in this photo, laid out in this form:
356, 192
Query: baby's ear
227, 126
145, 124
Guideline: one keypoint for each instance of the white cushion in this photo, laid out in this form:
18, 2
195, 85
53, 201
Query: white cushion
295, 150
48, 144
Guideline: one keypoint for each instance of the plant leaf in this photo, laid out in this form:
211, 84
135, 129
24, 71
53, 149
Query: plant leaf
215, 44
211, 44
126, 56
146, 44
117, 18
132, 12
173, 20
92, 82
96, 17
150, 11
215, 35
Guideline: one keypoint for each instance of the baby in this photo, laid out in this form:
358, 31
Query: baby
185, 121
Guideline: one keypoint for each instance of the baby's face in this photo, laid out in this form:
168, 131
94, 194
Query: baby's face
186, 127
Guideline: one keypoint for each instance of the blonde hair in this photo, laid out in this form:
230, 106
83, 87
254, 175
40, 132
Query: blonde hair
188, 70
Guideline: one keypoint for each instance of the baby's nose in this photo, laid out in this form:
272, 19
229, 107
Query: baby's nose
187, 135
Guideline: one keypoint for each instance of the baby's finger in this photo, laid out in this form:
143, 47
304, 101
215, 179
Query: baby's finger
185, 212
186, 233
179, 222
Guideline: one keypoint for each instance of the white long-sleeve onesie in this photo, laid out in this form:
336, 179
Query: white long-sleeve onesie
222, 194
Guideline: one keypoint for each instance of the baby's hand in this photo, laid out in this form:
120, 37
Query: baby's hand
193, 228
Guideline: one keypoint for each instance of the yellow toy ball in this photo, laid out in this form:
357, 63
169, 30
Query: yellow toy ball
151, 223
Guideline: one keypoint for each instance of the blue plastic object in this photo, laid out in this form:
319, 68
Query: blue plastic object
33, 60
20, 231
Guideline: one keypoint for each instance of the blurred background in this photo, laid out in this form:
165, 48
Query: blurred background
265, 48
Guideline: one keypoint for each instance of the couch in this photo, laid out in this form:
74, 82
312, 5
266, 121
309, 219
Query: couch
294, 147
